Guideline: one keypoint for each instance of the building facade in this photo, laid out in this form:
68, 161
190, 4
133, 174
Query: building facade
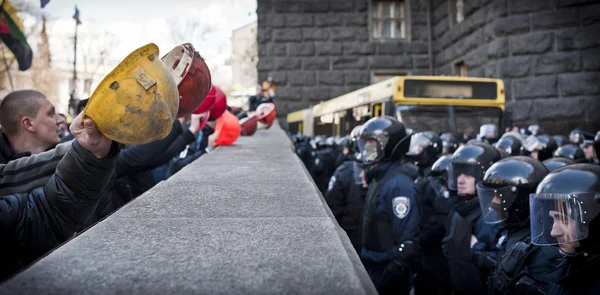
546, 51
244, 56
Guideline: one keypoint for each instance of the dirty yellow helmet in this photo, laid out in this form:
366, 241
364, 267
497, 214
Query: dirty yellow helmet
138, 101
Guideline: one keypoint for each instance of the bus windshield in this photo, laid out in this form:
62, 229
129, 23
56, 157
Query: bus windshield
456, 119
450, 89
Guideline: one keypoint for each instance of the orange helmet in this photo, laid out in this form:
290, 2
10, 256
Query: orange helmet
266, 114
228, 129
220, 104
249, 125
191, 75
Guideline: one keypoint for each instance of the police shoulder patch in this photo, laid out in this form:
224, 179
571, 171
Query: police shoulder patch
331, 183
401, 206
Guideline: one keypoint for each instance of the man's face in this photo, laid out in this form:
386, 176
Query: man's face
534, 155
589, 152
564, 229
466, 184
46, 124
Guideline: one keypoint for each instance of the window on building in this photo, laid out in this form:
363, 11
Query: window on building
388, 20
460, 69
460, 16
379, 76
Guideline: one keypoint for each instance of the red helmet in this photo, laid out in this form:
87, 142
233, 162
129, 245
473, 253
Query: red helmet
192, 76
227, 129
249, 125
266, 114
220, 104
206, 106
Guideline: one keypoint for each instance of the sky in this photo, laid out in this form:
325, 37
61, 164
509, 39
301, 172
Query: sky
120, 26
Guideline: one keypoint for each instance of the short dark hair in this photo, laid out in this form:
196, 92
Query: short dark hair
17, 105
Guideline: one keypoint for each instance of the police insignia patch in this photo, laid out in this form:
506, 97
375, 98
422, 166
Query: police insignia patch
401, 206
331, 183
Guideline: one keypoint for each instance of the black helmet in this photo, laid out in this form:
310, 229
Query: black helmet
503, 153
383, 139
565, 207
511, 143
534, 130
449, 143
576, 136
597, 143
346, 142
355, 133
425, 148
570, 151
555, 163
560, 140
504, 191
472, 159
440, 168
541, 147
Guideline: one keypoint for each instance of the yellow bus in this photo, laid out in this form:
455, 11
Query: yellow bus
437, 103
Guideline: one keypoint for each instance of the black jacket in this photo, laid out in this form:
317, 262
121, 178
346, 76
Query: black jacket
35, 222
576, 275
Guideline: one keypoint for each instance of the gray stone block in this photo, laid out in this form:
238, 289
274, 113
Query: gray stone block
314, 6
316, 63
287, 63
592, 109
361, 5
328, 19
515, 67
359, 48
318, 94
440, 13
390, 48
512, 25
565, 3
581, 38
349, 62
303, 79
521, 110
390, 62
279, 78
331, 78
469, 43
489, 32
276, 49
498, 48
293, 35
555, 19
490, 70
579, 84
343, 34
558, 108
265, 64
275, 20
355, 19
590, 14
416, 47
302, 49
476, 72
591, 60
557, 63
357, 78
286, 6
517, 6
314, 34
328, 48
263, 35
477, 58
287, 93
299, 20
540, 42
471, 6
341, 5
420, 61
441, 28
497, 9
544, 86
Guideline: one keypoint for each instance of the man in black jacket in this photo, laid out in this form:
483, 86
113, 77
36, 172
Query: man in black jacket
35, 222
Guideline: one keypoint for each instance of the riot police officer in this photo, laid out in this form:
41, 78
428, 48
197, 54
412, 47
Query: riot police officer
504, 198
511, 142
469, 241
555, 163
541, 146
564, 212
345, 194
449, 143
323, 165
570, 151
434, 276
391, 211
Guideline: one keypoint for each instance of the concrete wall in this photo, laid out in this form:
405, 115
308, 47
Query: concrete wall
546, 51
245, 219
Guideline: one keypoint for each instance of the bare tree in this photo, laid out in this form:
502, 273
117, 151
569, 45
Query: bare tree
190, 30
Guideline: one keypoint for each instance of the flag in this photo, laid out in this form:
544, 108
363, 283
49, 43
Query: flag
76, 16
44, 3
11, 33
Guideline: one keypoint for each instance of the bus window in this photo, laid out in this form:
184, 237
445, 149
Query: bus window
439, 118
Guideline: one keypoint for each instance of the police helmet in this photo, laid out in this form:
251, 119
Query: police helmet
597, 143
511, 143
383, 139
534, 130
560, 140
555, 163
425, 148
472, 159
504, 191
449, 143
570, 151
576, 136
564, 210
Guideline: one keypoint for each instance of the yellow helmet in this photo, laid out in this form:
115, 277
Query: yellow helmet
138, 101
